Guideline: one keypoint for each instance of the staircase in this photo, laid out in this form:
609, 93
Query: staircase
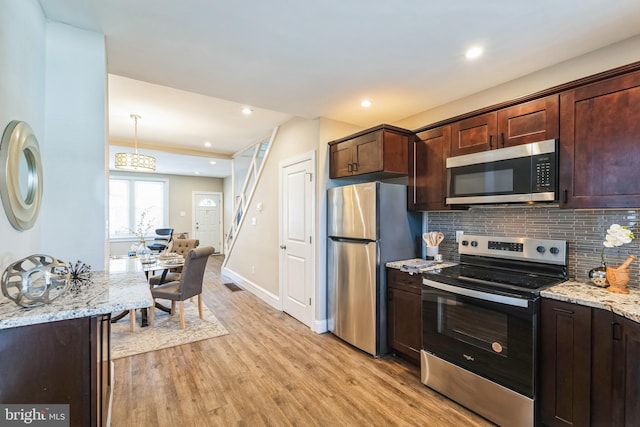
242, 200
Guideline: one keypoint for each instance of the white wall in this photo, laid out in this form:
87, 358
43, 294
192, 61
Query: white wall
22, 87
74, 201
54, 77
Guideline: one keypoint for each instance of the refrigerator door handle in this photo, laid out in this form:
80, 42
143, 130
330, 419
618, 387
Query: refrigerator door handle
349, 240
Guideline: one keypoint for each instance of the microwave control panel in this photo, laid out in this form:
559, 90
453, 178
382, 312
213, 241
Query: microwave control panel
544, 173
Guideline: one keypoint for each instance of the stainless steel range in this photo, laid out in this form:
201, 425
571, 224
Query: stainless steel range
480, 324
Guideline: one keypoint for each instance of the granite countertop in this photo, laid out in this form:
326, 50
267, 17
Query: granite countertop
412, 262
584, 293
122, 288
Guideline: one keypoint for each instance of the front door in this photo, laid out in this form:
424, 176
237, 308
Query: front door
207, 219
297, 272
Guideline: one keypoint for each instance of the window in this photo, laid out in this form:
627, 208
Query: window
136, 206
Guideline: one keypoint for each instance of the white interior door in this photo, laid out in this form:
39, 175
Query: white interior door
297, 255
207, 219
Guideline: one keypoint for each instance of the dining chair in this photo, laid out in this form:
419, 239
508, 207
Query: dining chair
189, 285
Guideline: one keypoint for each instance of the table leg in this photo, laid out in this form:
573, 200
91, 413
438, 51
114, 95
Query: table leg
145, 321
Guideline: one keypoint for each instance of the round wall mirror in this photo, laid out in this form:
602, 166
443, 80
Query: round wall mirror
21, 184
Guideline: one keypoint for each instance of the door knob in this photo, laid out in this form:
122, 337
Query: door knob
283, 246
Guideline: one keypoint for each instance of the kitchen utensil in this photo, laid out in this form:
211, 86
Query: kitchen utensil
432, 238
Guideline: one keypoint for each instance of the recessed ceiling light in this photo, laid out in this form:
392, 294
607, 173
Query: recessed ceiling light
207, 144
365, 103
246, 111
473, 53
197, 173
212, 162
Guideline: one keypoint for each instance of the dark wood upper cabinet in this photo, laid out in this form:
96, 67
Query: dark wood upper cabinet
524, 123
532, 121
427, 172
474, 134
600, 144
377, 153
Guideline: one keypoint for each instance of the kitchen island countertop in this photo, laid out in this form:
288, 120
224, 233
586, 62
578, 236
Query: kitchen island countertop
122, 288
584, 293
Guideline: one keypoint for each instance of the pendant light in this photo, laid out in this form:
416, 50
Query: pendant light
135, 161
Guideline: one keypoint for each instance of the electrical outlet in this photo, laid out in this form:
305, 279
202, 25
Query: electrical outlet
254, 221
458, 234
253, 269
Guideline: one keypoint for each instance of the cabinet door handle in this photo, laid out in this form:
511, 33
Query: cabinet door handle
565, 196
563, 310
350, 167
490, 141
355, 166
502, 138
617, 331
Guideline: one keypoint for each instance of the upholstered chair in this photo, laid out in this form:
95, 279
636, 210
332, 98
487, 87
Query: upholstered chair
181, 247
189, 285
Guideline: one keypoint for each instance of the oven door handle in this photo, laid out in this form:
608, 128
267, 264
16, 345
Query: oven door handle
485, 296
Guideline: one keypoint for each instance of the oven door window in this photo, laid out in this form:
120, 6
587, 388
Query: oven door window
482, 328
493, 340
501, 177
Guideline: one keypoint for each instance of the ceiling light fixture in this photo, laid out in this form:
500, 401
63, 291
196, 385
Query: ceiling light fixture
365, 103
473, 52
207, 144
135, 161
246, 111
212, 162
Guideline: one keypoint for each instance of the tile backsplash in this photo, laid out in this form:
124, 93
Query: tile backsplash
583, 229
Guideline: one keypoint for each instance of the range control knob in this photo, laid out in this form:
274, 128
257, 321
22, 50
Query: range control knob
554, 250
474, 243
540, 249
465, 243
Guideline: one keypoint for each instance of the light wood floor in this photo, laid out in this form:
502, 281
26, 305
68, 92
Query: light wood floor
272, 370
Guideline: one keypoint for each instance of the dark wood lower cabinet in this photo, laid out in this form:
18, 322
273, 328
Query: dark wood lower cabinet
590, 367
404, 325
63, 362
565, 363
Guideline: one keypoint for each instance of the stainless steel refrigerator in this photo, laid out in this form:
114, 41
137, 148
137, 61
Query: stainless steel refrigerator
368, 225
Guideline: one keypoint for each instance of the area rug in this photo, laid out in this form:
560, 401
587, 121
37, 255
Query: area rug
165, 331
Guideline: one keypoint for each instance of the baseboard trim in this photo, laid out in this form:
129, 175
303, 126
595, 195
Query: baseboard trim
268, 297
320, 326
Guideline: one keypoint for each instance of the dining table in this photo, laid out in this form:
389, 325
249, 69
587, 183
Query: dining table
147, 265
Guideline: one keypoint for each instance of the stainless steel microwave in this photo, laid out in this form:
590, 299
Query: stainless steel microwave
519, 174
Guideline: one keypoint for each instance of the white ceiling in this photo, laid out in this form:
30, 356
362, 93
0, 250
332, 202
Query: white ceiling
188, 66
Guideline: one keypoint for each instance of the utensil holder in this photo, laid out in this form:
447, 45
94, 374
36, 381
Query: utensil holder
432, 251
